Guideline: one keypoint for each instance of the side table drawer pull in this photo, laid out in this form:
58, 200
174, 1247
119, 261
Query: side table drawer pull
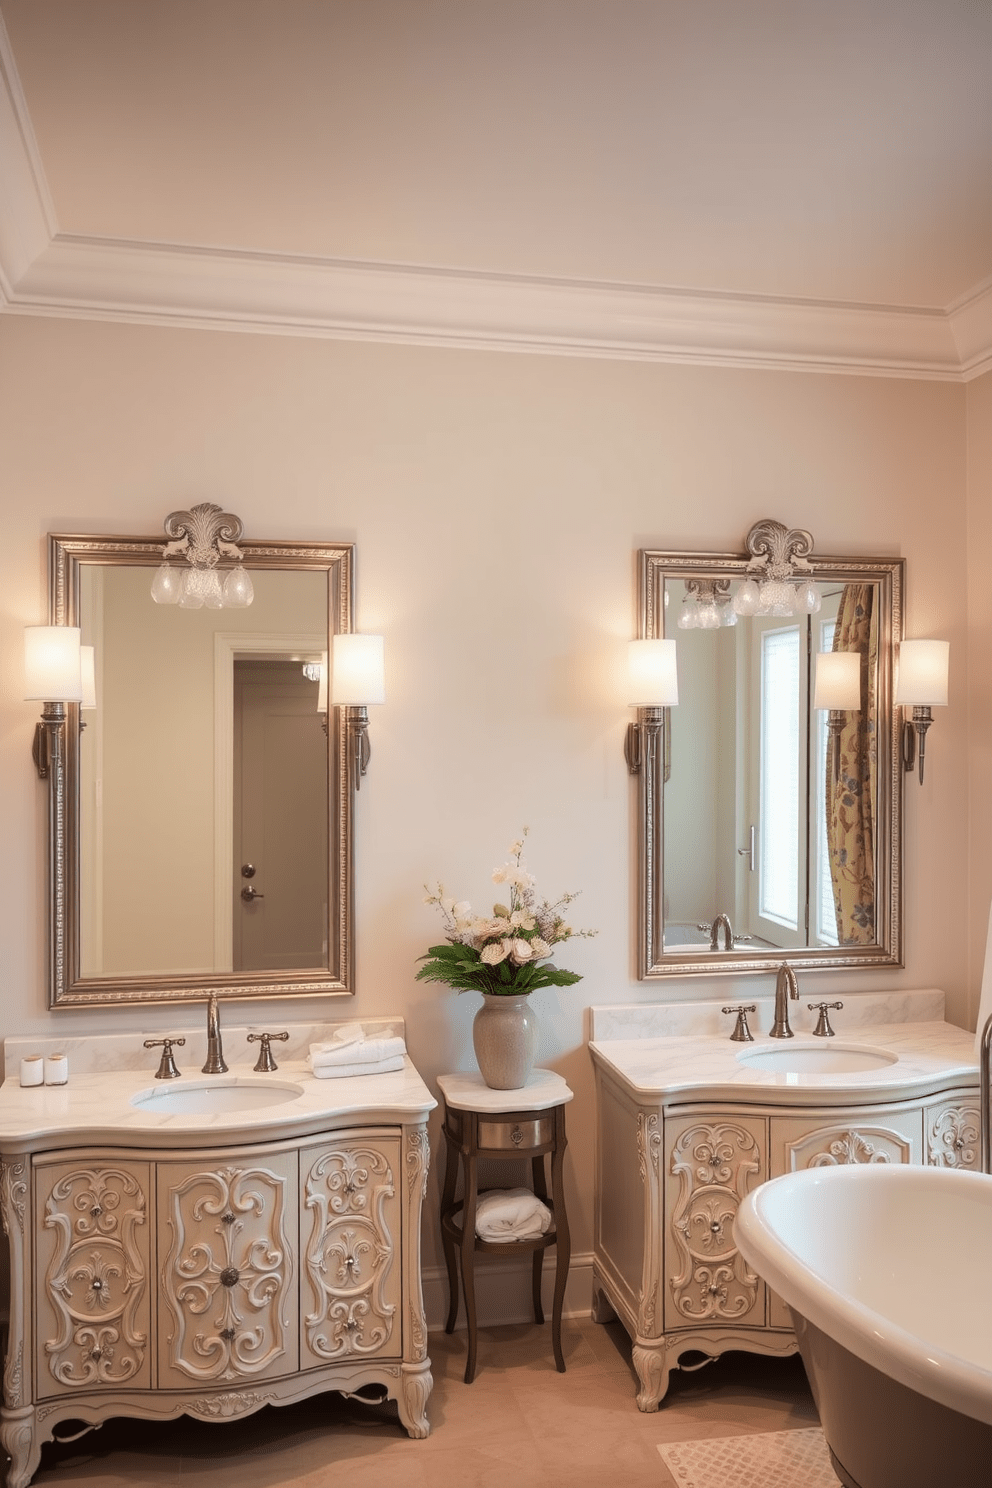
518, 1136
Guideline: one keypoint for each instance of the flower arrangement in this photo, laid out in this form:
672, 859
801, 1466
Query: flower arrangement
506, 953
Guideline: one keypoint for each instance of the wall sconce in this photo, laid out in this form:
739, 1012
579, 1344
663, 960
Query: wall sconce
357, 683
837, 692
652, 686
922, 685
52, 676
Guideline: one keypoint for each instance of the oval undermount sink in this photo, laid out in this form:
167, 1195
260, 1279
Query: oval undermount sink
806, 1059
205, 1097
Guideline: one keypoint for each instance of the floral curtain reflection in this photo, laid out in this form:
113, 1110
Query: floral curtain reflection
851, 792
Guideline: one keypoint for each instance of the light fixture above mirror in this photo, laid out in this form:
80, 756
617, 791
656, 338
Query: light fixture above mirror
774, 806
207, 538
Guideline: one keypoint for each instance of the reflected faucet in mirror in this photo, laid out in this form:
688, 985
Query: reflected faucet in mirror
722, 923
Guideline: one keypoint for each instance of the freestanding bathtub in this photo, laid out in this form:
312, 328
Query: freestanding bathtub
887, 1271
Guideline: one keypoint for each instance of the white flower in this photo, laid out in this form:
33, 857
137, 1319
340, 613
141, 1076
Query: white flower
495, 952
516, 847
461, 909
521, 920
521, 950
539, 948
499, 874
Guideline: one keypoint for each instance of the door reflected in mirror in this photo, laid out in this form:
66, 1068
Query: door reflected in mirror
203, 838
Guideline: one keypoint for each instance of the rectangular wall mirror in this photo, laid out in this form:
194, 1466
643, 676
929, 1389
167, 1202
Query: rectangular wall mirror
201, 822
769, 826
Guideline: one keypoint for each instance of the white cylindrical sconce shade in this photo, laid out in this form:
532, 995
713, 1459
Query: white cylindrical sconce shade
837, 682
652, 674
357, 670
923, 674
322, 684
52, 664
87, 669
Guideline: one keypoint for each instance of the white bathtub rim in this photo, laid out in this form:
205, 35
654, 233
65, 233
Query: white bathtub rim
959, 1383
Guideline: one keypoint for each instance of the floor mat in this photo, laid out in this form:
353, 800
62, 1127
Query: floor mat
776, 1459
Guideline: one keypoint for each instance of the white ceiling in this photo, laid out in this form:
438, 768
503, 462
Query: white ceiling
748, 153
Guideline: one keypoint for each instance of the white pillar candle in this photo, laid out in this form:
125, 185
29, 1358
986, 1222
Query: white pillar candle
56, 1069
33, 1070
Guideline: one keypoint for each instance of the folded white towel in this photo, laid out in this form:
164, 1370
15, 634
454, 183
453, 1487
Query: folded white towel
342, 1071
361, 1051
344, 1033
511, 1214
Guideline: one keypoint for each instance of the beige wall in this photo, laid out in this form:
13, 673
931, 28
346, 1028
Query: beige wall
979, 580
497, 501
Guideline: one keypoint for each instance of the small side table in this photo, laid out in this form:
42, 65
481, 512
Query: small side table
503, 1124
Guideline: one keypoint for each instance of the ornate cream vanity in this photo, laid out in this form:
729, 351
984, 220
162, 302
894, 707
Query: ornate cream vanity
686, 1127
209, 1263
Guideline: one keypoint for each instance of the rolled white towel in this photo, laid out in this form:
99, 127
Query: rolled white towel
361, 1051
342, 1071
511, 1214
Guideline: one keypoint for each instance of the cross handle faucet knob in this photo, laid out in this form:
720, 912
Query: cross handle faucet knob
823, 1029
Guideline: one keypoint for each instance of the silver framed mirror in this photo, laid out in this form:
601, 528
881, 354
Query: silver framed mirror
769, 827
201, 815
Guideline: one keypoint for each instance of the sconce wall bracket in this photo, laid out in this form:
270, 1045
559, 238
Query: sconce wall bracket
914, 739
640, 743
48, 738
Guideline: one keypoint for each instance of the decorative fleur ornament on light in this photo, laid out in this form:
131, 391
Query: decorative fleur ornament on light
921, 685
53, 676
652, 686
357, 683
779, 580
205, 536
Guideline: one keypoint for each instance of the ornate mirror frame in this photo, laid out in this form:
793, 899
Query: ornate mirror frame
654, 567
68, 556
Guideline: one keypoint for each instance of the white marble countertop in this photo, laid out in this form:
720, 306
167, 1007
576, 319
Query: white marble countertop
95, 1106
674, 1068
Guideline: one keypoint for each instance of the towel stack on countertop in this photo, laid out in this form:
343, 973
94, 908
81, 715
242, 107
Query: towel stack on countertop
349, 1052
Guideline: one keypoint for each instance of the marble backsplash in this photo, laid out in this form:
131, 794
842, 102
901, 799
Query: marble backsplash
693, 1019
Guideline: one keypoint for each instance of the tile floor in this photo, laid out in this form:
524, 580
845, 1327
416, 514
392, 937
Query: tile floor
519, 1422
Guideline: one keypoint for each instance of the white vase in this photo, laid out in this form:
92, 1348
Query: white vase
504, 1035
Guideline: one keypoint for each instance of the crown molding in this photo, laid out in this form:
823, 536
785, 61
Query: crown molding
182, 285
49, 273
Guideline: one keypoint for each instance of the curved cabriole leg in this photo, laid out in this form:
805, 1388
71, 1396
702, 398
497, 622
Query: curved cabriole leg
416, 1384
653, 1371
18, 1440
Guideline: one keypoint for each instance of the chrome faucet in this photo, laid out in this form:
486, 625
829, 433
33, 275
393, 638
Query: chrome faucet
786, 986
215, 1049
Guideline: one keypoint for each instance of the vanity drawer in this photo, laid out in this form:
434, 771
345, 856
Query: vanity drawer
845, 1136
505, 1136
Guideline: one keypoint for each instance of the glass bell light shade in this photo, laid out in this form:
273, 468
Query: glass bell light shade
167, 584
688, 614
51, 664
357, 670
201, 586
238, 589
709, 616
652, 674
728, 615
776, 598
808, 600
747, 598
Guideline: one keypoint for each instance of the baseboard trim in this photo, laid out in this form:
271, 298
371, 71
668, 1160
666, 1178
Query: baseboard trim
502, 1291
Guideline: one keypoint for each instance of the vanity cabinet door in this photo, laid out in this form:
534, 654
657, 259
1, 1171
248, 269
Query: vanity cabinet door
952, 1132
711, 1165
229, 1235
827, 1139
350, 1226
92, 1294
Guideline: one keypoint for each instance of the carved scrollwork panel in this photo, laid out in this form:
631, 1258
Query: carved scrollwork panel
954, 1136
95, 1279
715, 1165
350, 1251
228, 1282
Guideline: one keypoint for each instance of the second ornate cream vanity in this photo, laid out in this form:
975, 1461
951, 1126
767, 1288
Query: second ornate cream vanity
688, 1122
211, 1262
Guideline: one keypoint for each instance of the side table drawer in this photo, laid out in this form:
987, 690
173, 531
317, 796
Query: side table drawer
516, 1136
